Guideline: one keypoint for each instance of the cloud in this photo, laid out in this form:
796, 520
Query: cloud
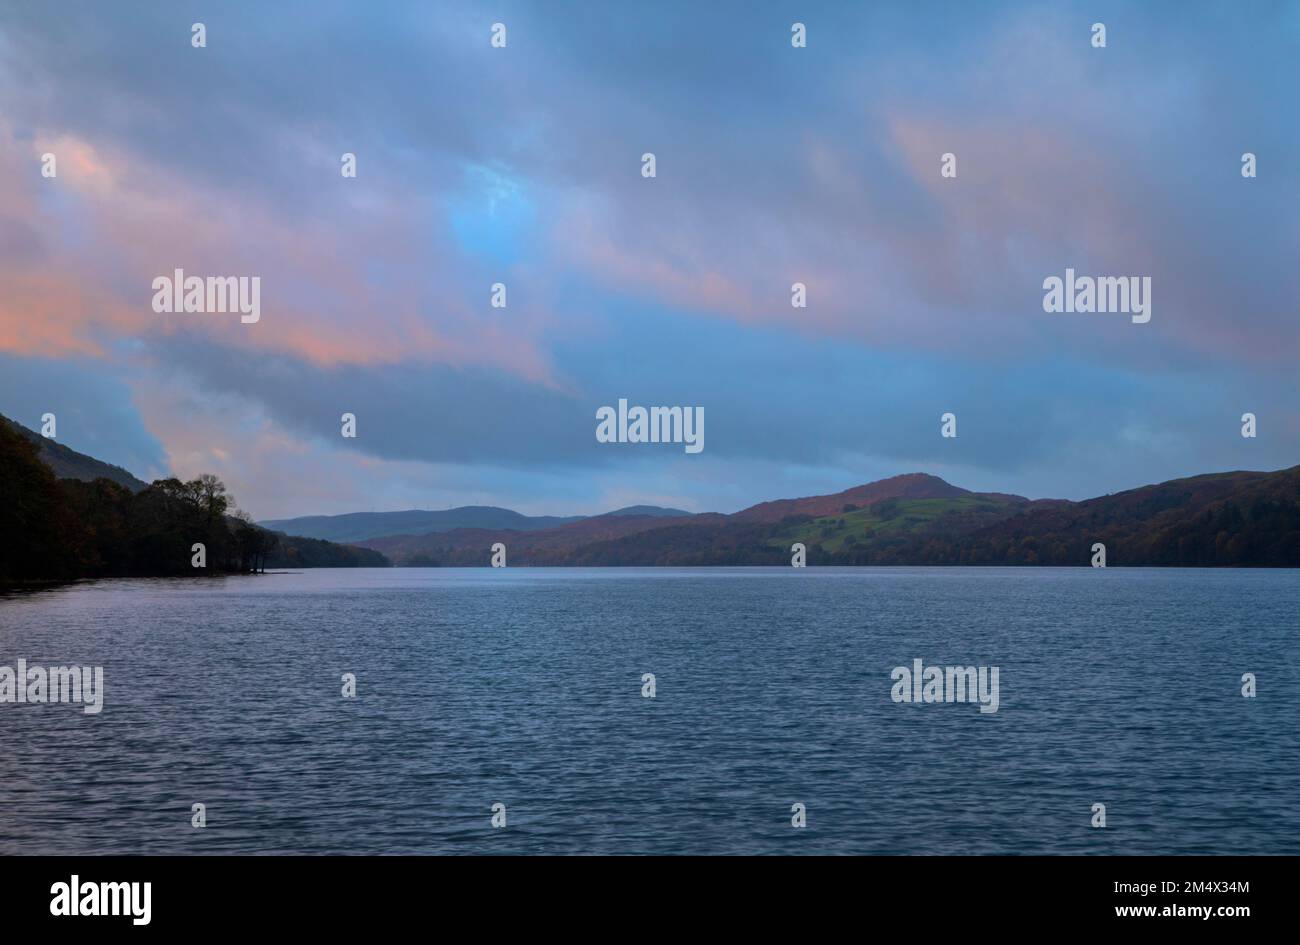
775, 165
95, 410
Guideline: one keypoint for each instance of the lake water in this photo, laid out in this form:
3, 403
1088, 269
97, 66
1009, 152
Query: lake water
524, 687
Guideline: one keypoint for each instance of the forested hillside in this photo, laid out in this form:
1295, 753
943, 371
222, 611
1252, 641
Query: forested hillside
57, 529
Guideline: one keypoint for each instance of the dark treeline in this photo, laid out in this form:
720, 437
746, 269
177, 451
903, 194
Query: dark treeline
293, 551
57, 529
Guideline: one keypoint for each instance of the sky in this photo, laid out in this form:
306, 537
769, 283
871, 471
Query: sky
522, 165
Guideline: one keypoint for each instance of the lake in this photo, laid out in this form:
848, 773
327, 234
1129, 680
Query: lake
523, 687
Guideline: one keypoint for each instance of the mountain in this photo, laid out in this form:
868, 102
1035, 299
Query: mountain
468, 545
361, 526
83, 525
909, 486
1237, 519
1234, 519
69, 464
654, 511
357, 526
756, 535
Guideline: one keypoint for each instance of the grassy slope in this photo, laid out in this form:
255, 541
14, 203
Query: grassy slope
899, 518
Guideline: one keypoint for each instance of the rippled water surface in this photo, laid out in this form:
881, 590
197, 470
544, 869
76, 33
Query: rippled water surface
523, 686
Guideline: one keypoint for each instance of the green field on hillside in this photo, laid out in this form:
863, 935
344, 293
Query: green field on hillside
898, 518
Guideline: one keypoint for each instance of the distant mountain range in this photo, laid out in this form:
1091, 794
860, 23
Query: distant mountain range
359, 526
1222, 519
1238, 519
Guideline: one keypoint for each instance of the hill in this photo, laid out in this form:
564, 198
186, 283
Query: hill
1233, 519
99, 519
69, 464
468, 545
361, 526
357, 526
1240, 519
908, 486
55, 528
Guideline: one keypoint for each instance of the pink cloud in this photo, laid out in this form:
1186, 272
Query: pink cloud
109, 223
